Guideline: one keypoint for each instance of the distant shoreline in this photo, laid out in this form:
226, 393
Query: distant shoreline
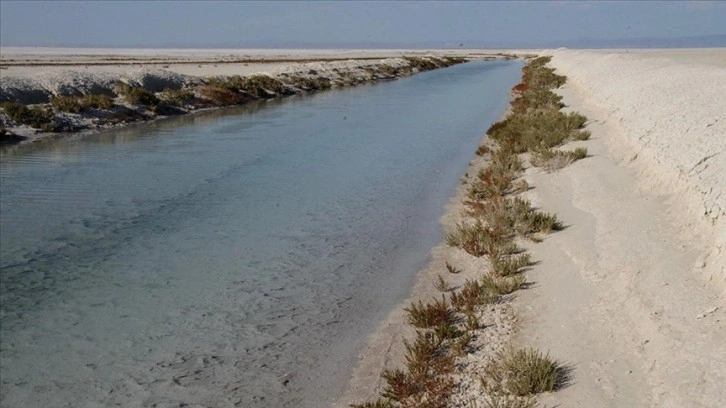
176, 83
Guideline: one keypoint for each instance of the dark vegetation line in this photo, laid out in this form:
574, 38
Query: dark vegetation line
496, 218
132, 61
128, 103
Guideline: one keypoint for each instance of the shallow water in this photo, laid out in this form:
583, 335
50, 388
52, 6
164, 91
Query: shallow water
238, 258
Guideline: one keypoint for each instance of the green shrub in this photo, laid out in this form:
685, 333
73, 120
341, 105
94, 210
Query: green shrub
432, 314
177, 97
522, 372
550, 159
502, 285
255, 86
219, 96
35, 116
471, 295
77, 104
478, 239
509, 265
308, 83
136, 95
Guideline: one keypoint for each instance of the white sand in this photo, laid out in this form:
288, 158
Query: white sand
631, 295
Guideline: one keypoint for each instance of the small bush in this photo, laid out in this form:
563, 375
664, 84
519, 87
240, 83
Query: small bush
522, 373
527, 221
136, 95
218, 96
426, 382
432, 314
77, 104
502, 285
254, 86
309, 83
36, 117
471, 295
400, 385
177, 97
551, 160
421, 353
479, 240
510, 265
483, 150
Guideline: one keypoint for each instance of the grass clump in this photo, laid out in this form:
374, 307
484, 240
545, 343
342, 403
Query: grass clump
429, 315
136, 95
502, 285
77, 104
177, 97
483, 150
479, 239
441, 285
522, 372
550, 159
34, 116
217, 96
426, 381
451, 268
509, 265
308, 83
472, 295
254, 86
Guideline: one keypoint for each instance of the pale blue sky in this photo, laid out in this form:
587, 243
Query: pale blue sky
300, 23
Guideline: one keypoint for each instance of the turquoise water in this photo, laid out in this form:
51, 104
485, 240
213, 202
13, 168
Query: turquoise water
238, 258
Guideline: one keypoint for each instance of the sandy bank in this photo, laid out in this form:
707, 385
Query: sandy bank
631, 294
37, 76
33, 74
667, 110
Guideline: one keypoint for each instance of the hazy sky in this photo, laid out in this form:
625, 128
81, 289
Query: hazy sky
187, 23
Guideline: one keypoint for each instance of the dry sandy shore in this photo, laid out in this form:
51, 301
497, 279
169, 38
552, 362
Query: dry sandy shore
631, 295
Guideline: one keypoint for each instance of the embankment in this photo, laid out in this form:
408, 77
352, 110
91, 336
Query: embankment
668, 111
631, 293
127, 92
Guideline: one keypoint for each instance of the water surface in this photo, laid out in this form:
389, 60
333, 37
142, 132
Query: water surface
233, 259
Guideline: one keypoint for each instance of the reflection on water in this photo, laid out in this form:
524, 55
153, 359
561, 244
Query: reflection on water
231, 258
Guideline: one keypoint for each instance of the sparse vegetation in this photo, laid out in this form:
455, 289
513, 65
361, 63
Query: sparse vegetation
33, 116
472, 295
502, 285
218, 92
441, 285
495, 218
136, 95
308, 83
178, 97
550, 159
522, 373
429, 315
77, 104
452, 269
